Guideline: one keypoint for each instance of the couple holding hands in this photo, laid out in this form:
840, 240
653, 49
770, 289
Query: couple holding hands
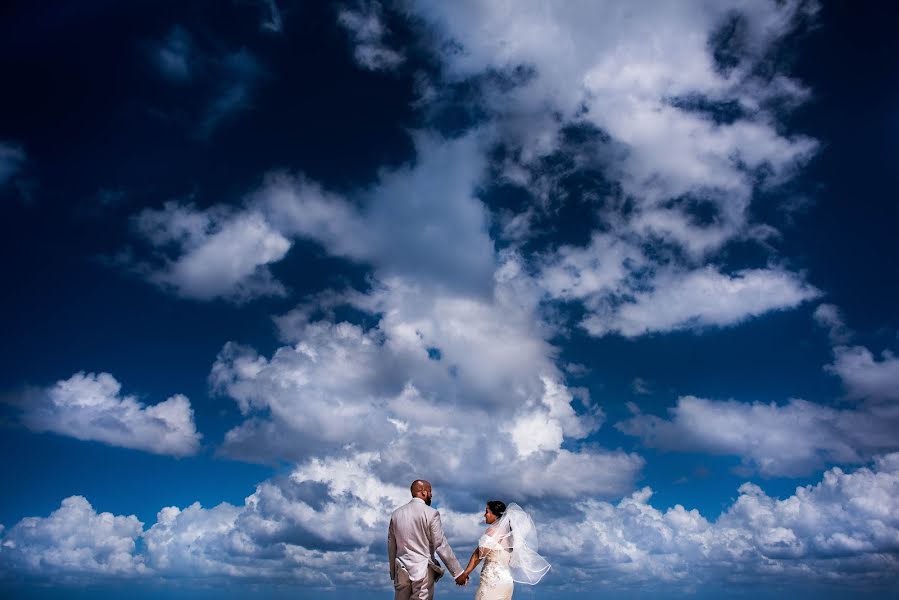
508, 549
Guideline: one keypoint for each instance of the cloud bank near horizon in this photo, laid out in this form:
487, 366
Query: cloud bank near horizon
842, 528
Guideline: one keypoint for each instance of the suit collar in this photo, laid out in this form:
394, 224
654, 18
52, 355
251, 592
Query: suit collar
418, 500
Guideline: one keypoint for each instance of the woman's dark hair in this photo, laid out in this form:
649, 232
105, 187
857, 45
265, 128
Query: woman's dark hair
496, 507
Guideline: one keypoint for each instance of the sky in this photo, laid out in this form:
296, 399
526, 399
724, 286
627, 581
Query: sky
631, 265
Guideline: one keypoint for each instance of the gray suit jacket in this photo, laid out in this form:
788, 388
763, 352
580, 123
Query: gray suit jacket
414, 535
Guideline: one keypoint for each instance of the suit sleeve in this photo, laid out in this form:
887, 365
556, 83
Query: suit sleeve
442, 547
391, 550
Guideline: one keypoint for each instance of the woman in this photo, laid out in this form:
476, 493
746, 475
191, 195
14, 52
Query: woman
509, 551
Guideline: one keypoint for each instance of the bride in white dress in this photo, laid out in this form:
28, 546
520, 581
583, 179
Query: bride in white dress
509, 551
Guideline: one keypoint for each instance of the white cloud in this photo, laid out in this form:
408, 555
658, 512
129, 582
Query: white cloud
302, 208
442, 381
90, 406
457, 367
776, 440
843, 529
601, 268
420, 221
74, 540
586, 64
696, 299
212, 253
320, 394
194, 542
845, 514
323, 525
536, 431
864, 376
365, 24
829, 317
583, 66
685, 176
626, 292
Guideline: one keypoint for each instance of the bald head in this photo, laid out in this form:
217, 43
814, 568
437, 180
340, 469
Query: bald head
421, 489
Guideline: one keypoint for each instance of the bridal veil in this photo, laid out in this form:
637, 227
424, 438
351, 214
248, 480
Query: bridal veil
515, 533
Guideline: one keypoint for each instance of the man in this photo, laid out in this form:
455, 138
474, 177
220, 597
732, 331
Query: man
415, 533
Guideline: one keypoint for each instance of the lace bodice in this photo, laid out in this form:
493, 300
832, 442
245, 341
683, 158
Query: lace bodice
496, 568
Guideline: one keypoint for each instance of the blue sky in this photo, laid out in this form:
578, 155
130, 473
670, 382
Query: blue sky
630, 265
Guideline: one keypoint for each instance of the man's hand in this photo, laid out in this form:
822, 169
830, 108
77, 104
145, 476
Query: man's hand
462, 579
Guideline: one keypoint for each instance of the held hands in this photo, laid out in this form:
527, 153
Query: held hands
462, 579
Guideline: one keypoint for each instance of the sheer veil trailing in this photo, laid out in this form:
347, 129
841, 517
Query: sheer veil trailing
514, 532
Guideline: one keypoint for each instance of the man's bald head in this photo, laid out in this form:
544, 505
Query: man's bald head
421, 489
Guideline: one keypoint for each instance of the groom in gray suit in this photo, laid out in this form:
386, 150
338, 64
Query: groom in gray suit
414, 535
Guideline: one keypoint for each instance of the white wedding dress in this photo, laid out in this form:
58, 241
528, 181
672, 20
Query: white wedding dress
509, 551
496, 578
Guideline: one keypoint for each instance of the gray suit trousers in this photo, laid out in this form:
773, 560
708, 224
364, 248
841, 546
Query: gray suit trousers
406, 589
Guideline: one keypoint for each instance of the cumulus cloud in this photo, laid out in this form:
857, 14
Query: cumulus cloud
194, 541
864, 376
310, 525
212, 253
843, 528
364, 21
420, 221
457, 366
792, 439
673, 138
322, 526
583, 65
74, 540
458, 330
650, 101
701, 298
797, 437
625, 294
90, 406
599, 269
441, 381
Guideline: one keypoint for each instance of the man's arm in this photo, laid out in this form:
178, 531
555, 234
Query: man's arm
442, 547
391, 550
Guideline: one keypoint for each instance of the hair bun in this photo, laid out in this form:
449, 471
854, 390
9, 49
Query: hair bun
497, 507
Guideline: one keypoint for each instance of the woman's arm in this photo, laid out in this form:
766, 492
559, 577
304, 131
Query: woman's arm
473, 561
